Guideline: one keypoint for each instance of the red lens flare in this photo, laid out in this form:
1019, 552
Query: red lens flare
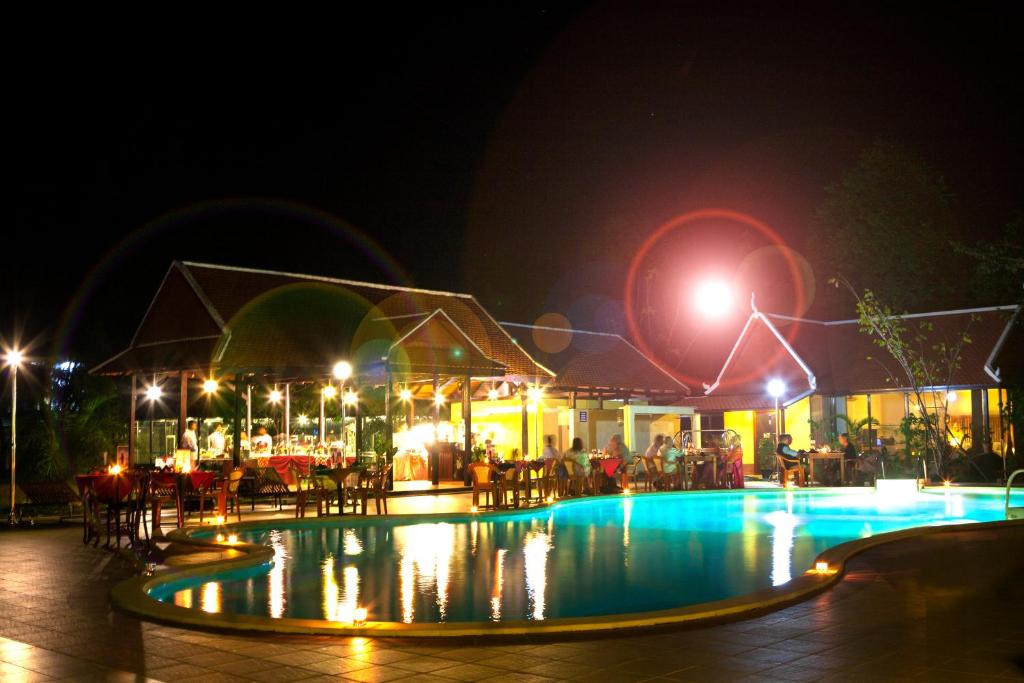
679, 222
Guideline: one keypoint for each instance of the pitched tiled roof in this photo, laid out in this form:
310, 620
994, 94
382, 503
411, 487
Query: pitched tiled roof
594, 360
842, 359
284, 322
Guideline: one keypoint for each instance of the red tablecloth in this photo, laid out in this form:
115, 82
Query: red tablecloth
609, 465
109, 488
199, 478
281, 462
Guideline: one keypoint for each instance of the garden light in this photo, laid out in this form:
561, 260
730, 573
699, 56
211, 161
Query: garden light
439, 400
535, 393
405, 395
330, 391
153, 392
14, 358
275, 396
359, 616
776, 388
210, 386
351, 398
821, 567
492, 395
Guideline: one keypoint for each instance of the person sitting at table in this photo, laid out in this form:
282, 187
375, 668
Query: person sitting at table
732, 462
670, 455
579, 455
854, 462
262, 443
790, 459
549, 452
216, 440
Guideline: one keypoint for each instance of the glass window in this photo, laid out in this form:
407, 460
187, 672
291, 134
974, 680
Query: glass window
889, 409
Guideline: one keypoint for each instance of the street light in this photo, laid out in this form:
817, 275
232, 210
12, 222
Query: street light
439, 400
153, 394
492, 395
776, 388
210, 386
351, 398
275, 396
342, 371
405, 395
14, 360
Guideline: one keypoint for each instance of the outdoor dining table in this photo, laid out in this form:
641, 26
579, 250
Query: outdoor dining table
827, 455
282, 464
200, 480
108, 489
700, 458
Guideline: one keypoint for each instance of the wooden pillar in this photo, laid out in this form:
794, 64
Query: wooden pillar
572, 400
524, 421
359, 426
388, 436
287, 417
236, 424
182, 405
467, 417
435, 451
132, 435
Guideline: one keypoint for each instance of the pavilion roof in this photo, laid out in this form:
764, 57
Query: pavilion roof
290, 325
836, 357
599, 362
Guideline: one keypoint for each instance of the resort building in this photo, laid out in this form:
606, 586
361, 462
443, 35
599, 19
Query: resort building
265, 343
833, 378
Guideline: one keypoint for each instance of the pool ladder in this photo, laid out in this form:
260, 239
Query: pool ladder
1013, 513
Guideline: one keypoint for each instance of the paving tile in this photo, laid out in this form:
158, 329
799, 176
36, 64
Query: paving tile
377, 674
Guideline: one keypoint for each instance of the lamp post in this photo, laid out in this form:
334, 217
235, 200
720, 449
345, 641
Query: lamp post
153, 394
14, 359
535, 394
342, 371
776, 388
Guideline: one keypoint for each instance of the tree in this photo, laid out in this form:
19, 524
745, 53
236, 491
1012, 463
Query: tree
888, 224
924, 363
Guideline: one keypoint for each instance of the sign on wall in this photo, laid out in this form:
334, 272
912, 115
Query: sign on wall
583, 416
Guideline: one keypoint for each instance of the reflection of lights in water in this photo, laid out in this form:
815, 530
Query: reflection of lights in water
627, 516
211, 597
865, 531
330, 590
340, 602
183, 598
353, 546
535, 552
783, 525
426, 553
276, 576
954, 505
474, 529
499, 578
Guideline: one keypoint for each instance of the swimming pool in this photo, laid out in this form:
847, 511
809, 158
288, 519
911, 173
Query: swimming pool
580, 558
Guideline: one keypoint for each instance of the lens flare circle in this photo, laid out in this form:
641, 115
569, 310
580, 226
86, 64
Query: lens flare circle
679, 222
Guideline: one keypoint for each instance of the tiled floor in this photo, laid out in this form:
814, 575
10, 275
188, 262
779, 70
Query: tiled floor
946, 607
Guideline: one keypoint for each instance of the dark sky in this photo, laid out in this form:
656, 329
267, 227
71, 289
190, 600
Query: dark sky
521, 154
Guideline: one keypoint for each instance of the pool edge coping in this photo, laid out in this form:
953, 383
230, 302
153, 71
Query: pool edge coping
132, 595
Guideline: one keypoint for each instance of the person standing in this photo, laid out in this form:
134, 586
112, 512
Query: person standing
190, 442
215, 441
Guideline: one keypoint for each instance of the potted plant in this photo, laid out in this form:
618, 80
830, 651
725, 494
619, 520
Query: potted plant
766, 456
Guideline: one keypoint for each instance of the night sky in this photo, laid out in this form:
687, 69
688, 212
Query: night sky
521, 154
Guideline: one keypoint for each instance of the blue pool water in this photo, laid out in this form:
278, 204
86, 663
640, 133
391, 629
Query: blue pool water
601, 556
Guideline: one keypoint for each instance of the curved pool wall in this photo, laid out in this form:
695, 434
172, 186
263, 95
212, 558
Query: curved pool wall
607, 560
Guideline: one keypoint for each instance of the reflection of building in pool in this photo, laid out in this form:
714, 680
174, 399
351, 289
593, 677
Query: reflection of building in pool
836, 379
248, 347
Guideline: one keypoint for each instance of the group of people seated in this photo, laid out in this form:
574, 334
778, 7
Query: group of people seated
792, 462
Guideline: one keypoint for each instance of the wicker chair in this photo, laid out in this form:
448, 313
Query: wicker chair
192, 493
532, 482
652, 478
163, 490
578, 478
480, 476
375, 484
509, 482
267, 483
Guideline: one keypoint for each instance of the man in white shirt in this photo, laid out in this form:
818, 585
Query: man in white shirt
262, 443
216, 440
550, 452
189, 441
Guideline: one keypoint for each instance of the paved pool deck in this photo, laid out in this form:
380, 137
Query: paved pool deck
945, 607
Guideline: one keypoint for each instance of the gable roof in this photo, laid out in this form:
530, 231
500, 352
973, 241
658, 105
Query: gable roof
836, 357
595, 361
290, 324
